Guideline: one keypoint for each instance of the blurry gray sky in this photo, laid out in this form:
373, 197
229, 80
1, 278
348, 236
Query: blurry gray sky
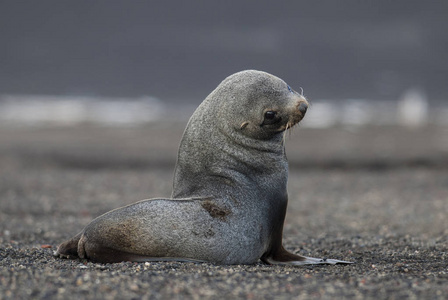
180, 50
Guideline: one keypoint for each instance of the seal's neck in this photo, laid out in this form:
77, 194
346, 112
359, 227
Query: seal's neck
208, 150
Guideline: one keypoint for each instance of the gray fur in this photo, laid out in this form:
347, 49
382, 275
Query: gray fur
229, 194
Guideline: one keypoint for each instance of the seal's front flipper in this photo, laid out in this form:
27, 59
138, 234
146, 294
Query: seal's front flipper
307, 261
318, 261
283, 257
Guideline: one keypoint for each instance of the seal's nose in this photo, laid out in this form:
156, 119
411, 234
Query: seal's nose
303, 107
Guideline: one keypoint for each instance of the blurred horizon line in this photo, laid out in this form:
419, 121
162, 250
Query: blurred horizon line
412, 109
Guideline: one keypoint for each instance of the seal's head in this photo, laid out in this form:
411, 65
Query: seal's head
262, 105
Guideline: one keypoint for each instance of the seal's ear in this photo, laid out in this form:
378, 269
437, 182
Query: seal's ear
243, 125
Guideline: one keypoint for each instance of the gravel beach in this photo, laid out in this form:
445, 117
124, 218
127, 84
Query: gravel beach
377, 196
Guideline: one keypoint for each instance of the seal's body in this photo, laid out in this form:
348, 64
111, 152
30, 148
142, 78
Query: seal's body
229, 194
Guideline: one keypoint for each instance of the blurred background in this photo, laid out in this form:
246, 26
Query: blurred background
129, 62
95, 95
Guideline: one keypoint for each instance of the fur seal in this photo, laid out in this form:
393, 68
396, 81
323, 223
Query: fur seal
229, 194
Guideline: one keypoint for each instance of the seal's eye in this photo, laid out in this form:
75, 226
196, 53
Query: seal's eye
270, 118
290, 89
269, 115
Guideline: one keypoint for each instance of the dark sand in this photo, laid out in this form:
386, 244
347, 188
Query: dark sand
374, 196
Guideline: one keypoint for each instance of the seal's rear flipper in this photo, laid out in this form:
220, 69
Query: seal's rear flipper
69, 249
